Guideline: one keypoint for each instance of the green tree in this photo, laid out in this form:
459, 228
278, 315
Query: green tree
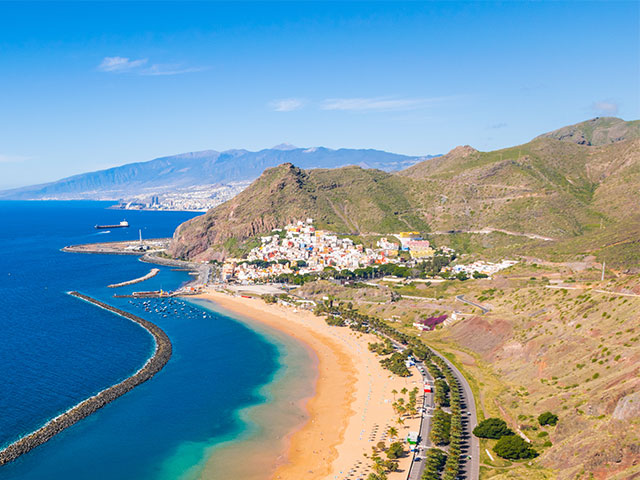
462, 276
547, 418
514, 447
395, 450
441, 427
492, 428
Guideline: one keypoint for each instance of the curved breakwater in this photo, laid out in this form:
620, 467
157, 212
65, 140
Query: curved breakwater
158, 360
151, 274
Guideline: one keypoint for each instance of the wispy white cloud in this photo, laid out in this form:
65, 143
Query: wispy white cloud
13, 158
170, 69
120, 64
605, 107
377, 103
496, 126
139, 67
287, 104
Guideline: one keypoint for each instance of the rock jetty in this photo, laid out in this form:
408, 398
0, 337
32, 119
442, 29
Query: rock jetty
159, 359
151, 274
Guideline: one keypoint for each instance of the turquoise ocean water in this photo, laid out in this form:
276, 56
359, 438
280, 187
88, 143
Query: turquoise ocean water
56, 350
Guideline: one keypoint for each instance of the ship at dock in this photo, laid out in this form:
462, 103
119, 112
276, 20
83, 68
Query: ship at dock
122, 224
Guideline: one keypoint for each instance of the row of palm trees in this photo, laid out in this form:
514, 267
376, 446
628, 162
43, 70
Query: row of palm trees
451, 467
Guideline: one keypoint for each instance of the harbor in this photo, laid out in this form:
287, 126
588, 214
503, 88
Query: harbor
149, 251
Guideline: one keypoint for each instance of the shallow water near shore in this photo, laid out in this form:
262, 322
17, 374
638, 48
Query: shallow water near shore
57, 350
262, 446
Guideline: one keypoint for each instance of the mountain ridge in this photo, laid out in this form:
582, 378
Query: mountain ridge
597, 131
205, 167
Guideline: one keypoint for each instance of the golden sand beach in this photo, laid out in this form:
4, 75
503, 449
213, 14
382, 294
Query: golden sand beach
351, 408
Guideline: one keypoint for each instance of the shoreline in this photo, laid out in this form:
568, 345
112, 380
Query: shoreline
155, 363
347, 412
267, 424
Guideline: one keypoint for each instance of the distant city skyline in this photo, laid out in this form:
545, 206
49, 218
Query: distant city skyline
86, 86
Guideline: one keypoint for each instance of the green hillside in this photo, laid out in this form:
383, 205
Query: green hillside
348, 200
582, 199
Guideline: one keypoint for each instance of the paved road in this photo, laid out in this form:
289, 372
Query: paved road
481, 307
417, 462
470, 468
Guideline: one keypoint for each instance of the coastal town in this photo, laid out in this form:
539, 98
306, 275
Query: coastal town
199, 198
300, 249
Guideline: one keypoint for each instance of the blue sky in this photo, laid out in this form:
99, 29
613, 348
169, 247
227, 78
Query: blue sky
85, 86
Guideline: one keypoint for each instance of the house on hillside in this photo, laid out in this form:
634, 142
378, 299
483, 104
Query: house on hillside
429, 323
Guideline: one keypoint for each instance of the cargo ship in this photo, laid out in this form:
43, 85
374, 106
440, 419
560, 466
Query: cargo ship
122, 224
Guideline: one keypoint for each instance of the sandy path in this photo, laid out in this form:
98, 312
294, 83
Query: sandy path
352, 405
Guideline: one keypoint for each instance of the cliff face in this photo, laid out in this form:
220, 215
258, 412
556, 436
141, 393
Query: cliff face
271, 201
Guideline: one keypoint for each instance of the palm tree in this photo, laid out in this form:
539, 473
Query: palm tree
394, 392
393, 432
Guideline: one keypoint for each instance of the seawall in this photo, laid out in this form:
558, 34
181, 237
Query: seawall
158, 360
151, 274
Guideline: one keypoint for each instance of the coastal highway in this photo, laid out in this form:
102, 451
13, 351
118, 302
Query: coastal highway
424, 442
470, 468
417, 463
481, 307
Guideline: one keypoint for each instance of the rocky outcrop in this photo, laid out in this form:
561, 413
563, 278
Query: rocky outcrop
462, 151
597, 131
628, 407
159, 359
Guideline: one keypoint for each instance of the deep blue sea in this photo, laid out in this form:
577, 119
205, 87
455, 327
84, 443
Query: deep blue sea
56, 350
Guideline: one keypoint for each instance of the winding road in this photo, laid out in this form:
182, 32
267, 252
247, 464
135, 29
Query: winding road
481, 307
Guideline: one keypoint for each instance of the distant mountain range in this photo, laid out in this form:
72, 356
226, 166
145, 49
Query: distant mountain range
208, 167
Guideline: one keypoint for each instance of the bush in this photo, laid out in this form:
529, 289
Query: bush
395, 364
547, 418
335, 321
269, 298
492, 428
513, 447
